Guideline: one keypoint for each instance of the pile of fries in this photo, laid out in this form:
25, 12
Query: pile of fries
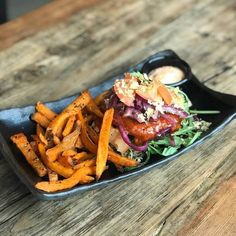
66, 149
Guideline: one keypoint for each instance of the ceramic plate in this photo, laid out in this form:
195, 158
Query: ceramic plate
18, 120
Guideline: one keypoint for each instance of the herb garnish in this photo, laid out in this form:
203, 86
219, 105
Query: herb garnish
143, 78
204, 112
190, 131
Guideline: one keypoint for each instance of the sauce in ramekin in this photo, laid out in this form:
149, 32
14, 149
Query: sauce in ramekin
167, 74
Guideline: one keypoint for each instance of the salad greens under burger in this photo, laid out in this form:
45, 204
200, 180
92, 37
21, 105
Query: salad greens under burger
150, 117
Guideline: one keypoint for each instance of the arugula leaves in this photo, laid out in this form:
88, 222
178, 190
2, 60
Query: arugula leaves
190, 131
146, 157
208, 112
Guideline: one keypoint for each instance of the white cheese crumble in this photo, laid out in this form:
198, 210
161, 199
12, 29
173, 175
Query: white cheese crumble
141, 118
149, 113
158, 105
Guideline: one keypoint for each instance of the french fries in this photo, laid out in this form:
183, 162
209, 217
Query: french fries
54, 166
44, 110
72, 109
100, 97
40, 119
66, 148
93, 108
40, 133
67, 143
103, 142
69, 152
69, 126
85, 163
66, 183
65, 161
22, 143
52, 175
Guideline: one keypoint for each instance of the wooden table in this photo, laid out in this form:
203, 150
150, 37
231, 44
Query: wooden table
67, 46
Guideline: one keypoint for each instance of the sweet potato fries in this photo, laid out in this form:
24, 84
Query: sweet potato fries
66, 150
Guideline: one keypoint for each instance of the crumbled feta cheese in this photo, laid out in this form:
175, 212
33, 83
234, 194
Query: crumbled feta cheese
158, 105
141, 118
201, 125
149, 113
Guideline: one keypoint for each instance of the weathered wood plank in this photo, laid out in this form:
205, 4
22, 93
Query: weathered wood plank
40, 19
71, 57
217, 216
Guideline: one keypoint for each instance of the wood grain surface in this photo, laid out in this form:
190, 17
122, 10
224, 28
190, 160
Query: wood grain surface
69, 49
217, 216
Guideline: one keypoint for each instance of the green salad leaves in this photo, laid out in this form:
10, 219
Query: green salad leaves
191, 130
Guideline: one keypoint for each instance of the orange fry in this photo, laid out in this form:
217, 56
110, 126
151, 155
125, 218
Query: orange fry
67, 143
79, 103
65, 161
72, 109
92, 134
40, 133
52, 175
69, 152
81, 156
103, 142
40, 119
100, 97
56, 140
57, 125
65, 183
86, 163
44, 110
114, 157
69, 126
60, 129
86, 179
120, 160
54, 152
72, 161
78, 143
22, 143
55, 166
93, 108
84, 135
35, 138
34, 146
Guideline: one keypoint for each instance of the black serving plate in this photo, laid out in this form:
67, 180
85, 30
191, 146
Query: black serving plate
17, 120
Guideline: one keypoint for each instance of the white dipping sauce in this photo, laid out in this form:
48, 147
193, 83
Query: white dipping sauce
167, 74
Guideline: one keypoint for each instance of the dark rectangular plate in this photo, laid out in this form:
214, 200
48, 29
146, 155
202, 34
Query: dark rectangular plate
18, 120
